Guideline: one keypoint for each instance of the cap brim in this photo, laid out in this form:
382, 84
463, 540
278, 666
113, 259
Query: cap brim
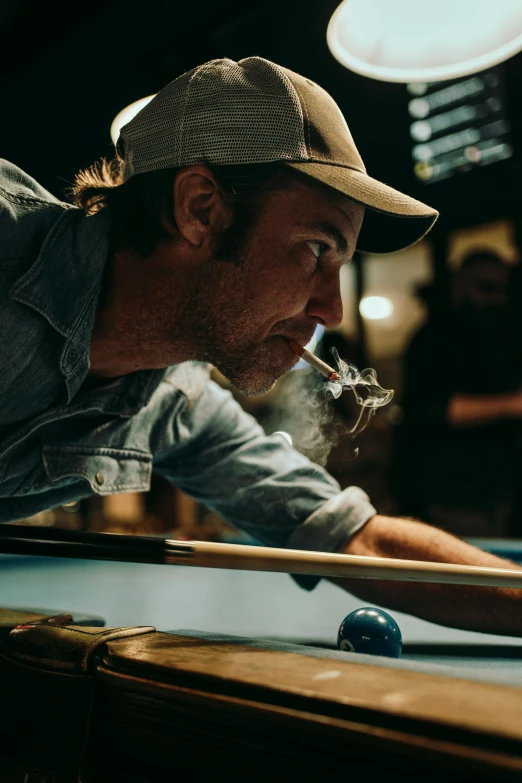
393, 220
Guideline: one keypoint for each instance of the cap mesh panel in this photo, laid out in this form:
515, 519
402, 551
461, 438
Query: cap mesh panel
222, 113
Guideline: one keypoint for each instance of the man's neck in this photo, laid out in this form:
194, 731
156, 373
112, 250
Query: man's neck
128, 335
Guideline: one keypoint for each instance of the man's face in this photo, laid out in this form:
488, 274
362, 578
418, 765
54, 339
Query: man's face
241, 316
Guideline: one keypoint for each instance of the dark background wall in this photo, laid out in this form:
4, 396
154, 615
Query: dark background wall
67, 69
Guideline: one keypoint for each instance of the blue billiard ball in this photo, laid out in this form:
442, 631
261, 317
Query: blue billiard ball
370, 631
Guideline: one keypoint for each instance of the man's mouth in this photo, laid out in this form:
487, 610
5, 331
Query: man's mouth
302, 341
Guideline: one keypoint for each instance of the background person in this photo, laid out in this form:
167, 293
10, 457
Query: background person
457, 462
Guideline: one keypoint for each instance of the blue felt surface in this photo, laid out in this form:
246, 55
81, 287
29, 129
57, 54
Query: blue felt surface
250, 605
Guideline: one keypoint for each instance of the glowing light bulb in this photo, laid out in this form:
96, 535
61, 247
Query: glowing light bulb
375, 308
126, 115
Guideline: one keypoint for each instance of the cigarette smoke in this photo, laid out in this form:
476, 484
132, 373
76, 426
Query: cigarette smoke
369, 394
305, 408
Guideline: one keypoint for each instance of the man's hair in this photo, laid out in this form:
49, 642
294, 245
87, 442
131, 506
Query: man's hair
138, 206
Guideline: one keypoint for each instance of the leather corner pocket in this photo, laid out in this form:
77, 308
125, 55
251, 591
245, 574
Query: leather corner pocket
107, 471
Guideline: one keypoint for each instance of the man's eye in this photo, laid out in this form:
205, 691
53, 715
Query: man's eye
318, 248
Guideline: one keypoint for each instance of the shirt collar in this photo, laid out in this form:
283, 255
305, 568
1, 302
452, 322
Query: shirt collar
63, 285
67, 273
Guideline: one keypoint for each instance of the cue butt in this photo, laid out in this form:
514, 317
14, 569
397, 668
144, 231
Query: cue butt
79, 544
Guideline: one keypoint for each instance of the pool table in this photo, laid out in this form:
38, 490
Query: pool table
248, 684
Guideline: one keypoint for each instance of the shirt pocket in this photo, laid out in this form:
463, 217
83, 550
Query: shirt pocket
107, 471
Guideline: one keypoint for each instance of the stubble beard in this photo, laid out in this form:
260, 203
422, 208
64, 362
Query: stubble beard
217, 317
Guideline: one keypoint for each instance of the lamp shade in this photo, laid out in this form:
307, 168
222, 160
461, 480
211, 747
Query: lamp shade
126, 115
423, 40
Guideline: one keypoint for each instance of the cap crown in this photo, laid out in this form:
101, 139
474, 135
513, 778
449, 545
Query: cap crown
226, 112
328, 138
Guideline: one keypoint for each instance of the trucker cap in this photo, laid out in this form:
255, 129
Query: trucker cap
254, 111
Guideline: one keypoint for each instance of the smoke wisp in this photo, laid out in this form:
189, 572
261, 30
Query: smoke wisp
305, 408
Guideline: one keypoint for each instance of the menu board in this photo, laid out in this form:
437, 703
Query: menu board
458, 126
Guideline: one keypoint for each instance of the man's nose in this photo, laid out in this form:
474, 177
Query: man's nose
326, 305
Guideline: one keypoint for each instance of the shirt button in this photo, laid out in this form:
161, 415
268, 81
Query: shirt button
71, 355
100, 478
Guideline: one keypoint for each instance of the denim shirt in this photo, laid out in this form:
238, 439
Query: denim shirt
59, 442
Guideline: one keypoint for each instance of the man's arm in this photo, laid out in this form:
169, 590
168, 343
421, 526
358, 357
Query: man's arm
470, 409
220, 455
264, 487
488, 609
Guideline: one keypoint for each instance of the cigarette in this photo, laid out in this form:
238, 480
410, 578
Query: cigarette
314, 361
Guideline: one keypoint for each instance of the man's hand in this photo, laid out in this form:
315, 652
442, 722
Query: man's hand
488, 609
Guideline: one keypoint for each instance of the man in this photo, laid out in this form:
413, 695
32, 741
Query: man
456, 460
217, 237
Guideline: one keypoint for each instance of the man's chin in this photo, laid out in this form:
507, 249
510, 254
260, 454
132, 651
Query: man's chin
251, 384
255, 390
254, 383
258, 373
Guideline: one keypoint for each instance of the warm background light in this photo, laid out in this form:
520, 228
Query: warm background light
418, 40
376, 308
126, 115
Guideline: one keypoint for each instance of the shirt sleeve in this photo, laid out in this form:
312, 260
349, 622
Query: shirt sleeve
258, 482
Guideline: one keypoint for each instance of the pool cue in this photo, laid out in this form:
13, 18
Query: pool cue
54, 542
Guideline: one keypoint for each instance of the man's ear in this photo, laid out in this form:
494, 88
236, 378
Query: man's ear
200, 209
